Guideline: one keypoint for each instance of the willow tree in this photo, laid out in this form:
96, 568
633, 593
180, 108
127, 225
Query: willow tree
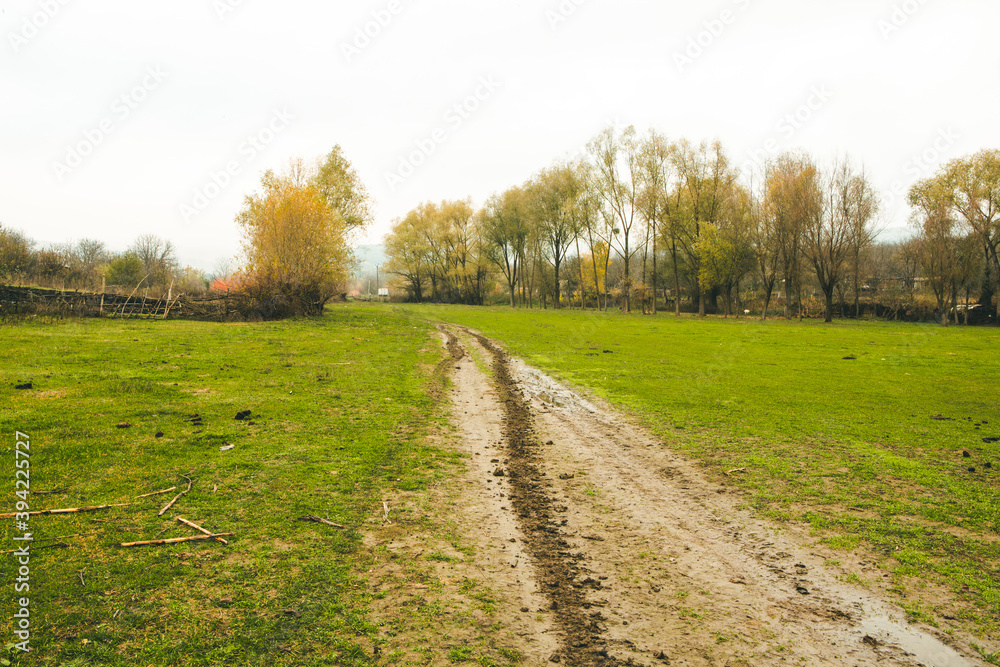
553, 205
848, 202
973, 184
944, 252
705, 179
295, 243
616, 178
505, 232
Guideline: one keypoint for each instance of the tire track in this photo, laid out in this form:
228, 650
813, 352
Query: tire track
561, 573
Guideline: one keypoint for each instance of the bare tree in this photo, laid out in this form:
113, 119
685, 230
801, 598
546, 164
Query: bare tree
616, 179
848, 202
158, 258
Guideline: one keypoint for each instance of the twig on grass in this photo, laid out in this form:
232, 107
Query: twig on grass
198, 528
177, 497
316, 519
68, 510
157, 493
385, 515
54, 545
729, 473
176, 540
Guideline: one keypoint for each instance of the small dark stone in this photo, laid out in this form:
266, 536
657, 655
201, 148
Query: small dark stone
988, 465
966, 455
242, 415
499, 472
159, 434
972, 470
802, 590
524, 610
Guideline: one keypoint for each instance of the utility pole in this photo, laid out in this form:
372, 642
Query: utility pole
376, 278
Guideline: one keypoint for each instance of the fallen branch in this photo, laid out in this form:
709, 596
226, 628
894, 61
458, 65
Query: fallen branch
177, 497
316, 519
729, 473
176, 540
157, 493
54, 545
68, 510
198, 528
385, 516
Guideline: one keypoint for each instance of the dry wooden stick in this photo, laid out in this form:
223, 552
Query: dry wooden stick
198, 528
54, 545
68, 510
385, 506
176, 540
729, 473
316, 519
157, 493
177, 497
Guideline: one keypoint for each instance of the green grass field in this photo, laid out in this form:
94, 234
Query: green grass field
340, 409
869, 449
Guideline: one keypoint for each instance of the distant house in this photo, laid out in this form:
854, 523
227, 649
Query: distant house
223, 285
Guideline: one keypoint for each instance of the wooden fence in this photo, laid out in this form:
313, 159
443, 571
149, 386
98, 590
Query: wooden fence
21, 301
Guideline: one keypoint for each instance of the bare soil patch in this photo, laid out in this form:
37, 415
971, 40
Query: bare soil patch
617, 551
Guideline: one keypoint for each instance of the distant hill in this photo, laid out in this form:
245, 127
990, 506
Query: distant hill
368, 257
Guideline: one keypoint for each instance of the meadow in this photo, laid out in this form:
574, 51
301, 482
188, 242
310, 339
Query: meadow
340, 410
881, 437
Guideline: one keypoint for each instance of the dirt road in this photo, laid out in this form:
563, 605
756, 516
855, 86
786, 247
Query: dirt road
617, 551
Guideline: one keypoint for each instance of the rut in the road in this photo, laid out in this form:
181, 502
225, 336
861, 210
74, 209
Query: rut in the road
560, 573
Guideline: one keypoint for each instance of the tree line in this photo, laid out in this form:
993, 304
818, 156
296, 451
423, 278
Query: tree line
88, 264
296, 254
642, 220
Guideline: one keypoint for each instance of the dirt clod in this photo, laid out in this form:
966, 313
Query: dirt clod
242, 415
26, 385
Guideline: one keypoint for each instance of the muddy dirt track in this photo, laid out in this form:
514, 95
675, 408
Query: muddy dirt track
618, 552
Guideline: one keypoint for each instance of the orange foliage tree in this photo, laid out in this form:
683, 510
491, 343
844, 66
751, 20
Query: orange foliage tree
295, 241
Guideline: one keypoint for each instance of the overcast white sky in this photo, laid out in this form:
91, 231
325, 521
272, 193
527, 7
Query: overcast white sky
116, 115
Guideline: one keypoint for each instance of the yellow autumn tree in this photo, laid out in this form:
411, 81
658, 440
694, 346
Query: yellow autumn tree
294, 245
